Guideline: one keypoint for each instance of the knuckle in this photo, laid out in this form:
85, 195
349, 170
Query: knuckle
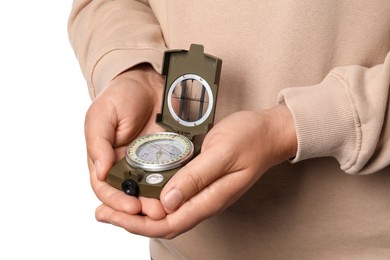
196, 180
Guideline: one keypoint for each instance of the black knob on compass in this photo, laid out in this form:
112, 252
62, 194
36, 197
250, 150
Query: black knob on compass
130, 187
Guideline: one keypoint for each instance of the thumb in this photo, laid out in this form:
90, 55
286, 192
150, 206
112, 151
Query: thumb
101, 157
192, 178
99, 135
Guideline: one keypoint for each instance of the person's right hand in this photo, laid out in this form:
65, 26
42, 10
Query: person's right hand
124, 110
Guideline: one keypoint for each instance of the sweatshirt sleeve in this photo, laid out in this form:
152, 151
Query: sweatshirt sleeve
346, 116
109, 37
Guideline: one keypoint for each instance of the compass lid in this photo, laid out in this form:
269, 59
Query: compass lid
190, 91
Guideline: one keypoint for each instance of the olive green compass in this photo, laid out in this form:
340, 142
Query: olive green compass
189, 101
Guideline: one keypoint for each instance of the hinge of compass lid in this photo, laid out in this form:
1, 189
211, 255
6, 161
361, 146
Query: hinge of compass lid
188, 135
168, 127
166, 121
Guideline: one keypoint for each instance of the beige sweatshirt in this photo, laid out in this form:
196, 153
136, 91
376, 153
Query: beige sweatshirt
327, 60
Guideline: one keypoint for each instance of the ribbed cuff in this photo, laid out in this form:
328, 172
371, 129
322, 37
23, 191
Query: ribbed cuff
324, 121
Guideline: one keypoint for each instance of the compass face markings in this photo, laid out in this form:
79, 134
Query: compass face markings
159, 151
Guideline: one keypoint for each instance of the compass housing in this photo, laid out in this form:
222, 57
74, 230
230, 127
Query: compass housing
188, 108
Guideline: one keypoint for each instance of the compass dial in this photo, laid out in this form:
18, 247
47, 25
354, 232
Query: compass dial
159, 152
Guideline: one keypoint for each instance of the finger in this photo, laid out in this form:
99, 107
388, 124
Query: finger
168, 227
152, 208
115, 198
211, 200
135, 224
194, 177
186, 217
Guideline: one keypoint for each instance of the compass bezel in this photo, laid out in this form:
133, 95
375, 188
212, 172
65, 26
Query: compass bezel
183, 143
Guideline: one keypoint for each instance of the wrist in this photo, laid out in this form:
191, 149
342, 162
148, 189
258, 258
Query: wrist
282, 130
142, 77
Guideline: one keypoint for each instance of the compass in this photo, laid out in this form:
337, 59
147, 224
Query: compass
189, 101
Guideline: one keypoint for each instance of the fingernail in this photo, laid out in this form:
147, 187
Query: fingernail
97, 166
173, 199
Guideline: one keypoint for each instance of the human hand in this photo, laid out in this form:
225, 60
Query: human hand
125, 109
235, 154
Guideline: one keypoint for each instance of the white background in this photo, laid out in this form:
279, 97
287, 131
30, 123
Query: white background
46, 203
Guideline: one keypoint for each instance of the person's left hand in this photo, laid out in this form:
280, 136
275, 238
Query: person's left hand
235, 154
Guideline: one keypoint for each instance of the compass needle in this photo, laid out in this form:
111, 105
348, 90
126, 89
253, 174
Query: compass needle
158, 156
